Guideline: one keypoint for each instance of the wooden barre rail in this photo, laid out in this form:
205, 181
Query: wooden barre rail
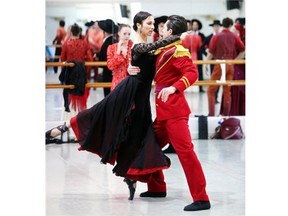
54, 45
103, 63
108, 84
53, 57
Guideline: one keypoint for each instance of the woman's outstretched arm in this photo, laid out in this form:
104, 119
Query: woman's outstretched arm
147, 47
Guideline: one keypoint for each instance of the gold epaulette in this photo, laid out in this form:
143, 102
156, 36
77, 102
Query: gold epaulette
158, 51
181, 51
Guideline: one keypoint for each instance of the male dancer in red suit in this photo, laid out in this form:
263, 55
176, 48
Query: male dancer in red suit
174, 73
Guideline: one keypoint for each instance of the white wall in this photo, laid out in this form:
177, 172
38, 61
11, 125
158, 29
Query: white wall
75, 13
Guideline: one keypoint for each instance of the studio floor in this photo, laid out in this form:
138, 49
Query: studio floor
77, 184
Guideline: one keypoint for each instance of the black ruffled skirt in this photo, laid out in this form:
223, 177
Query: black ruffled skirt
119, 130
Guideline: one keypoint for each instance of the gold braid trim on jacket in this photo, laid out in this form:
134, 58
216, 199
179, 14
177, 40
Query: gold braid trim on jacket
181, 51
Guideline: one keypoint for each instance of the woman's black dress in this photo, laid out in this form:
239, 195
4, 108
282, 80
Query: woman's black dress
119, 127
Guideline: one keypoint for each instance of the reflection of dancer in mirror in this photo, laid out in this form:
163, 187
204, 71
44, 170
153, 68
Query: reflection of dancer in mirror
158, 26
110, 29
94, 36
225, 46
76, 49
119, 127
58, 41
216, 25
119, 55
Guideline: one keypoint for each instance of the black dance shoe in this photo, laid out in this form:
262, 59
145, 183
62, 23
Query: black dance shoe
170, 149
153, 194
132, 187
197, 206
62, 128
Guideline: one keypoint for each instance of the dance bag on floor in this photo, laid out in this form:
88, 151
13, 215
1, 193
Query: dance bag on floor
230, 128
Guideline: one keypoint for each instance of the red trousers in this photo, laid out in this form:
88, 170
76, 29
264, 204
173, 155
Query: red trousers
177, 132
216, 75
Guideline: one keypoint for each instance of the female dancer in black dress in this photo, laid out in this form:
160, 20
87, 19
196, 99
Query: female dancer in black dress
119, 127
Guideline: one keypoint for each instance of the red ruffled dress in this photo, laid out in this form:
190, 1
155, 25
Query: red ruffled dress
78, 50
118, 64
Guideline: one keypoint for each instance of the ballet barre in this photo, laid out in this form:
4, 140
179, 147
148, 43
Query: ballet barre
52, 57
54, 45
221, 82
108, 84
103, 63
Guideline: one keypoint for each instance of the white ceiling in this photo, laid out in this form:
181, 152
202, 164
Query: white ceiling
73, 2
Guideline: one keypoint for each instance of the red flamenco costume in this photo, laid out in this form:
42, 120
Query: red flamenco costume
77, 49
118, 63
119, 127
